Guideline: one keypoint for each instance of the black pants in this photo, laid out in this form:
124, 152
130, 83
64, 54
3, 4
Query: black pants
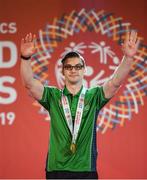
71, 175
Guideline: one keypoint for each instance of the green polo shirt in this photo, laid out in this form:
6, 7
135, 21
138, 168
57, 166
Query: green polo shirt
60, 158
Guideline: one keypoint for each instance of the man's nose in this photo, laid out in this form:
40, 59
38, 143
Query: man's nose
73, 69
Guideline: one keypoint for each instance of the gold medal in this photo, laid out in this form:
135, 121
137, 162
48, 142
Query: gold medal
73, 148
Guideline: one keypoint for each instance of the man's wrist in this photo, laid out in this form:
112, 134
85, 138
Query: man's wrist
128, 57
127, 60
25, 57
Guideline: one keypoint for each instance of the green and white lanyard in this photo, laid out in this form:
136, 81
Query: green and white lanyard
79, 112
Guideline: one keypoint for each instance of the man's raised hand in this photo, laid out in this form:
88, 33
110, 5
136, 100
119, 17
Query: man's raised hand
28, 45
131, 44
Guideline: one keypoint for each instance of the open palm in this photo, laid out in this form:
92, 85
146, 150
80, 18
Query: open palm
131, 44
28, 45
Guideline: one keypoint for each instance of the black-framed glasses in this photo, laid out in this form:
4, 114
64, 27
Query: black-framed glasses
70, 67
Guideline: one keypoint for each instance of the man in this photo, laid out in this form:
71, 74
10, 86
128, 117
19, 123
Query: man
74, 109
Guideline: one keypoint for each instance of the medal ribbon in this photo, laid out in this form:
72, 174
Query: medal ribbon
78, 117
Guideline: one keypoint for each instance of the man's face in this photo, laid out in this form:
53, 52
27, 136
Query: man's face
73, 70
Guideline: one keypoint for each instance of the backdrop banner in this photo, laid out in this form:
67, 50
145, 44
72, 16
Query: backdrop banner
96, 29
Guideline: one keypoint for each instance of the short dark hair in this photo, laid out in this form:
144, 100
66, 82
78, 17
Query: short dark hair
73, 54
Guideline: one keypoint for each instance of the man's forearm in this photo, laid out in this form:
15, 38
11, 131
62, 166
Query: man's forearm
129, 48
26, 73
122, 71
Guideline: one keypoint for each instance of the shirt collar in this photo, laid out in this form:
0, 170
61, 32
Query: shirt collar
66, 92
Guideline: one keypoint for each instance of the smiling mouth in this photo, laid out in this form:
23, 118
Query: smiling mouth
73, 75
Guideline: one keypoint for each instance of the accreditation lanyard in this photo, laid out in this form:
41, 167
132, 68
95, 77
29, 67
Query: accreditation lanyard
74, 130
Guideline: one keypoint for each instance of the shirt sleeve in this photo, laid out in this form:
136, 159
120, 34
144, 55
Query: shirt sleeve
45, 100
101, 100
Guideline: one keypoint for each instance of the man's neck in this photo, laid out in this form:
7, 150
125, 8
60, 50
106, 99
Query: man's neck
73, 88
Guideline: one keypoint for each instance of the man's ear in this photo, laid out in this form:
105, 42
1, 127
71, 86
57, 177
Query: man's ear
85, 70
